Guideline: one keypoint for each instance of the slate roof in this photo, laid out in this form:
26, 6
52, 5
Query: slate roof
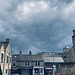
23, 57
5, 45
53, 59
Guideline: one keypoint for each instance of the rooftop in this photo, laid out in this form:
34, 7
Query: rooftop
4, 43
53, 59
23, 57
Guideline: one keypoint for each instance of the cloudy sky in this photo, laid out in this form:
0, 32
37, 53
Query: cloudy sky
37, 25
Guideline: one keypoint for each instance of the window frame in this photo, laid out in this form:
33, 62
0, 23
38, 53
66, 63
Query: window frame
1, 57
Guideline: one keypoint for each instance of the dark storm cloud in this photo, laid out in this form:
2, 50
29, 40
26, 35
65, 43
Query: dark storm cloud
65, 1
41, 25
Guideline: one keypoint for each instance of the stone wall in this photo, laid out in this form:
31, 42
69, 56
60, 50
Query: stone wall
67, 69
22, 64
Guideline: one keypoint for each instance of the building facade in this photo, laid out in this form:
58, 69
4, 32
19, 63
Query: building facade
70, 55
27, 64
60, 63
51, 62
5, 57
68, 68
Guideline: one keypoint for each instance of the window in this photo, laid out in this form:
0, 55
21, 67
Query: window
1, 57
36, 71
10, 60
14, 63
6, 70
41, 70
37, 63
26, 63
7, 59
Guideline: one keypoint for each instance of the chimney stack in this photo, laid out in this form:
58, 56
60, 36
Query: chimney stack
30, 53
20, 52
73, 38
73, 32
7, 40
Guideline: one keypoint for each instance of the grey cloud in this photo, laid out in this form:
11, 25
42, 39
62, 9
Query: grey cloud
41, 25
65, 1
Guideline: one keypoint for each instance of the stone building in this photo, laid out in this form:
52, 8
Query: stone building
51, 62
70, 55
0, 71
65, 50
68, 68
5, 57
23, 64
63, 62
